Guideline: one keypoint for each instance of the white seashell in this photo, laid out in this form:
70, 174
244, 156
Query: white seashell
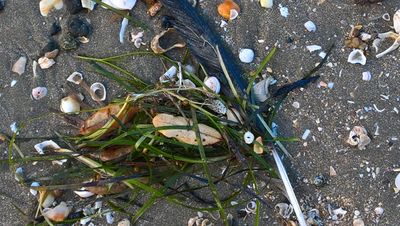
358, 137
48, 201
14, 127
393, 47
339, 212
233, 14
246, 55
137, 39
58, 213
88, 4
189, 68
358, 222
70, 104
284, 210
19, 174
322, 54
44, 146
75, 77
213, 83
397, 181
85, 220
83, 193
267, 3
365, 36
83, 40
248, 137
33, 191
98, 204
34, 68
187, 83
310, 26
313, 48
39, 92
217, 106
98, 91
192, 221
386, 16
366, 76
379, 210
124, 222
45, 62
19, 66
110, 217
13, 83
121, 4
47, 5
306, 134
260, 89
122, 30
357, 57
284, 11
169, 75
396, 21
233, 115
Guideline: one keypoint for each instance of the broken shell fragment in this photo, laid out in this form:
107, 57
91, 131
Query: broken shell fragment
217, 106
34, 192
358, 222
137, 39
45, 146
397, 182
246, 55
122, 30
208, 134
260, 89
284, 210
267, 3
358, 137
115, 153
310, 26
393, 47
75, 77
121, 4
169, 75
46, 198
396, 21
98, 91
357, 57
124, 222
155, 43
213, 83
58, 213
248, 137
88, 4
153, 9
233, 115
84, 193
258, 146
19, 66
45, 62
39, 92
47, 5
52, 54
312, 48
70, 104
228, 9
187, 83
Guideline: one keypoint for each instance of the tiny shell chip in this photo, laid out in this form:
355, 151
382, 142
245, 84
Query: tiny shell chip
313, 48
121, 4
213, 83
187, 83
396, 21
266, 3
358, 136
99, 92
248, 137
397, 181
169, 75
83, 193
233, 14
246, 55
366, 76
75, 77
258, 146
39, 92
34, 191
218, 106
58, 213
19, 66
44, 146
357, 57
110, 217
45, 62
310, 26
88, 4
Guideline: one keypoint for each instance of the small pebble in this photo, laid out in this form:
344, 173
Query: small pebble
366, 76
246, 55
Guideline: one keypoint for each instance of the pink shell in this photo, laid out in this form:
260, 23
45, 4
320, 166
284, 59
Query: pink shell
39, 92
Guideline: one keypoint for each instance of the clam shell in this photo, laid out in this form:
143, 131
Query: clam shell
84, 193
45, 62
258, 146
246, 55
75, 77
96, 88
47, 5
39, 92
310, 26
357, 57
58, 213
70, 104
19, 66
396, 21
44, 146
213, 83
248, 137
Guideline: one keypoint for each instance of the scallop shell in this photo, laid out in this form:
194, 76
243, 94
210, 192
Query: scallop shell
19, 66
39, 92
246, 55
213, 83
47, 5
58, 213
45, 62
357, 57
96, 88
267, 3
75, 77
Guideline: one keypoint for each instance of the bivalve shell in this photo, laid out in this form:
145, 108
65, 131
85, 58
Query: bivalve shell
357, 57
246, 55
248, 137
75, 77
39, 92
70, 104
58, 213
213, 83
228, 9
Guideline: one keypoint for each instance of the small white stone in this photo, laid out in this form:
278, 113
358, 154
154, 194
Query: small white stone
322, 54
248, 137
310, 26
246, 55
379, 210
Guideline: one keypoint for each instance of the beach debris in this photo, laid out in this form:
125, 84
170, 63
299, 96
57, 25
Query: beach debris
45, 62
83, 39
332, 171
155, 43
73, 6
319, 180
306, 134
397, 183
261, 89
310, 26
284, 210
122, 30
121, 4
208, 134
19, 65
153, 7
75, 77
199, 221
58, 213
70, 104
52, 54
246, 55
358, 222
355, 38
338, 214
322, 54
213, 84
33, 191
137, 39
313, 217
88, 4
248, 137
379, 210
110, 217
267, 3
366, 76
44, 146
396, 21
46, 198
124, 222
357, 57
258, 146
114, 153
358, 136
39, 92
98, 91
14, 127
13, 83
232, 114
392, 35
313, 48
229, 10
47, 5
365, 36
169, 75
83, 193
296, 104
217, 105
19, 174
283, 10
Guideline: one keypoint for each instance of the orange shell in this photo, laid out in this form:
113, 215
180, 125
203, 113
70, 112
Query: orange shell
224, 9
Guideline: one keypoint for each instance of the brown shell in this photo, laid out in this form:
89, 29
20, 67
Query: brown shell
114, 153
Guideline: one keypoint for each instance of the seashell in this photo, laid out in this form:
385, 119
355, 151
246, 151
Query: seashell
248, 137
310, 26
44, 146
332, 171
258, 146
187, 83
58, 213
19, 65
284, 210
45, 62
34, 192
208, 134
306, 134
83, 193
358, 222
192, 221
70, 104
83, 40
47, 197
358, 137
75, 77
85, 220
217, 106
88, 4
251, 207
393, 47
284, 11
124, 222
121, 4
110, 217
47, 5
155, 43
379, 210
98, 91
115, 153
365, 36
339, 212
169, 75
213, 83
13, 83
98, 204
397, 182
137, 39
19, 174
228, 9
233, 115
260, 89
266, 3
366, 76
246, 55
357, 57
52, 54
322, 54
122, 30
14, 127
312, 48
39, 92
396, 21
154, 9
